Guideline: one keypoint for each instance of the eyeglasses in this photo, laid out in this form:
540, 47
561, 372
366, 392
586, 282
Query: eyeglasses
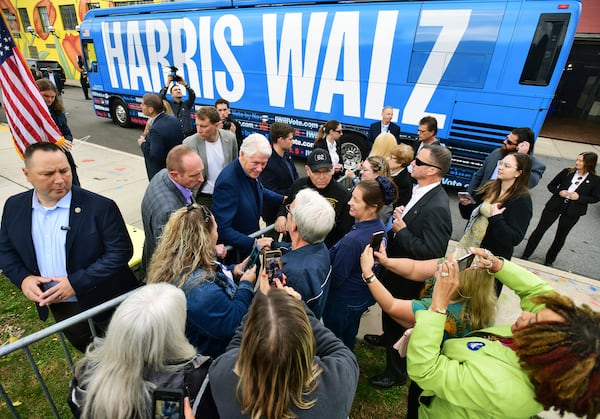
420, 162
505, 165
205, 211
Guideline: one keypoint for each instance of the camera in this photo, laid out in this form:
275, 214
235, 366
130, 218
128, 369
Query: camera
174, 75
226, 124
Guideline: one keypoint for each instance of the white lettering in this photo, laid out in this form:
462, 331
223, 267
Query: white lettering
115, 56
206, 66
157, 44
138, 68
344, 35
183, 41
290, 51
454, 23
380, 64
236, 32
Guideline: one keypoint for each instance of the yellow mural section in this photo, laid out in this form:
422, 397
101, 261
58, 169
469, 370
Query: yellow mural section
48, 30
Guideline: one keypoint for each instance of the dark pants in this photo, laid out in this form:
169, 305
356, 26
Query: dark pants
405, 289
565, 224
79, 334
343, 319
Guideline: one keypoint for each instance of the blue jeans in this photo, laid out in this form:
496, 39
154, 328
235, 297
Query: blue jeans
343, 319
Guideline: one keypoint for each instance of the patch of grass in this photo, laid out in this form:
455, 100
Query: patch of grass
370, 402
19, 318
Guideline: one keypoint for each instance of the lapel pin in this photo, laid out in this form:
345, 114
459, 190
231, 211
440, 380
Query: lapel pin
77, 210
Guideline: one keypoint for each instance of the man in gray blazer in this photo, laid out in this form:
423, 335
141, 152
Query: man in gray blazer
169, 190
215, 146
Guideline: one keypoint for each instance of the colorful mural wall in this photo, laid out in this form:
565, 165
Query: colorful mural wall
45, 29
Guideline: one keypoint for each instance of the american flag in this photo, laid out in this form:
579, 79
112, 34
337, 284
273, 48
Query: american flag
27, 114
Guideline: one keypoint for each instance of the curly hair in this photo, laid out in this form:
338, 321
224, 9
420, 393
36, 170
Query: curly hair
184, 246
562, 359
276, 365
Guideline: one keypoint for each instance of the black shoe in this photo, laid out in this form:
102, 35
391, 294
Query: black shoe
525, 257
383, 381
375, 340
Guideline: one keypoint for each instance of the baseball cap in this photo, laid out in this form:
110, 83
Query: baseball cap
319, 159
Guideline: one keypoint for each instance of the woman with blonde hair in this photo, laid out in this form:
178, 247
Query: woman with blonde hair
399, 160
283, 363
472, 306
547, 359
144, 348
185, 257
383, 145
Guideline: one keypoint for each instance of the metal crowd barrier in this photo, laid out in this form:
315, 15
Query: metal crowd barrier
24, 343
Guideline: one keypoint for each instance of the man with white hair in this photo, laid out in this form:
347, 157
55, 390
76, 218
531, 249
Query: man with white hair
238, 196
309, 219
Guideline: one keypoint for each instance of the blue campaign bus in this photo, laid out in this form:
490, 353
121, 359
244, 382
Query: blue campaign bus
480, 67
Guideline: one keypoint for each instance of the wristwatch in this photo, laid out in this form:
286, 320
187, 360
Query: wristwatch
369, 279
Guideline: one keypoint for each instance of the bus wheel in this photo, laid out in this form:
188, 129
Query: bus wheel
120, 113
354, 149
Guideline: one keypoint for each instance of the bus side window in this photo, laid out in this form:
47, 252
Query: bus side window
545, 48
89, 55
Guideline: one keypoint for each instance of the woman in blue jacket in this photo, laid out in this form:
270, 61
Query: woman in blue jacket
185, 257
349, 297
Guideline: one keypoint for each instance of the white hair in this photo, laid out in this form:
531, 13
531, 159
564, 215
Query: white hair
146, 335
313, 214
256, 143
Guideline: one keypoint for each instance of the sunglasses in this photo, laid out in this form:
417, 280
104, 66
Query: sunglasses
420, 162
510, 142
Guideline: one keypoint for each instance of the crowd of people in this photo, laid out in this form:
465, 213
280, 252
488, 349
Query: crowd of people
205, 317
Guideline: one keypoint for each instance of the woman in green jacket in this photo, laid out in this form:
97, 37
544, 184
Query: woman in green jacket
548, 358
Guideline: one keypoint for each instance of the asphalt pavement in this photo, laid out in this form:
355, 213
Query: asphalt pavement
109, 163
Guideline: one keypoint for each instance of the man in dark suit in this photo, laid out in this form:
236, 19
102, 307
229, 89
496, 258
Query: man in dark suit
385, 125
280, 172
219, 144
54, 77
66, 248
238, 197
164, 134
421, 230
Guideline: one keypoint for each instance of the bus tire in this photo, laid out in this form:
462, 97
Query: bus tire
120, 113
354, 148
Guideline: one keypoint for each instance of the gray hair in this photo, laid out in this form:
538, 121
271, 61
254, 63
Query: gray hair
256, 143
313, 214
146, 334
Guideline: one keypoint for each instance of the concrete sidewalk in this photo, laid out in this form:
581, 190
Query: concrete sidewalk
122, 177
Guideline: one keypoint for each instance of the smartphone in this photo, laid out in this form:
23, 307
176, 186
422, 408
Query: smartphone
273, 265
376, 239
465, 261
467, 195
167, 403
253, 259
